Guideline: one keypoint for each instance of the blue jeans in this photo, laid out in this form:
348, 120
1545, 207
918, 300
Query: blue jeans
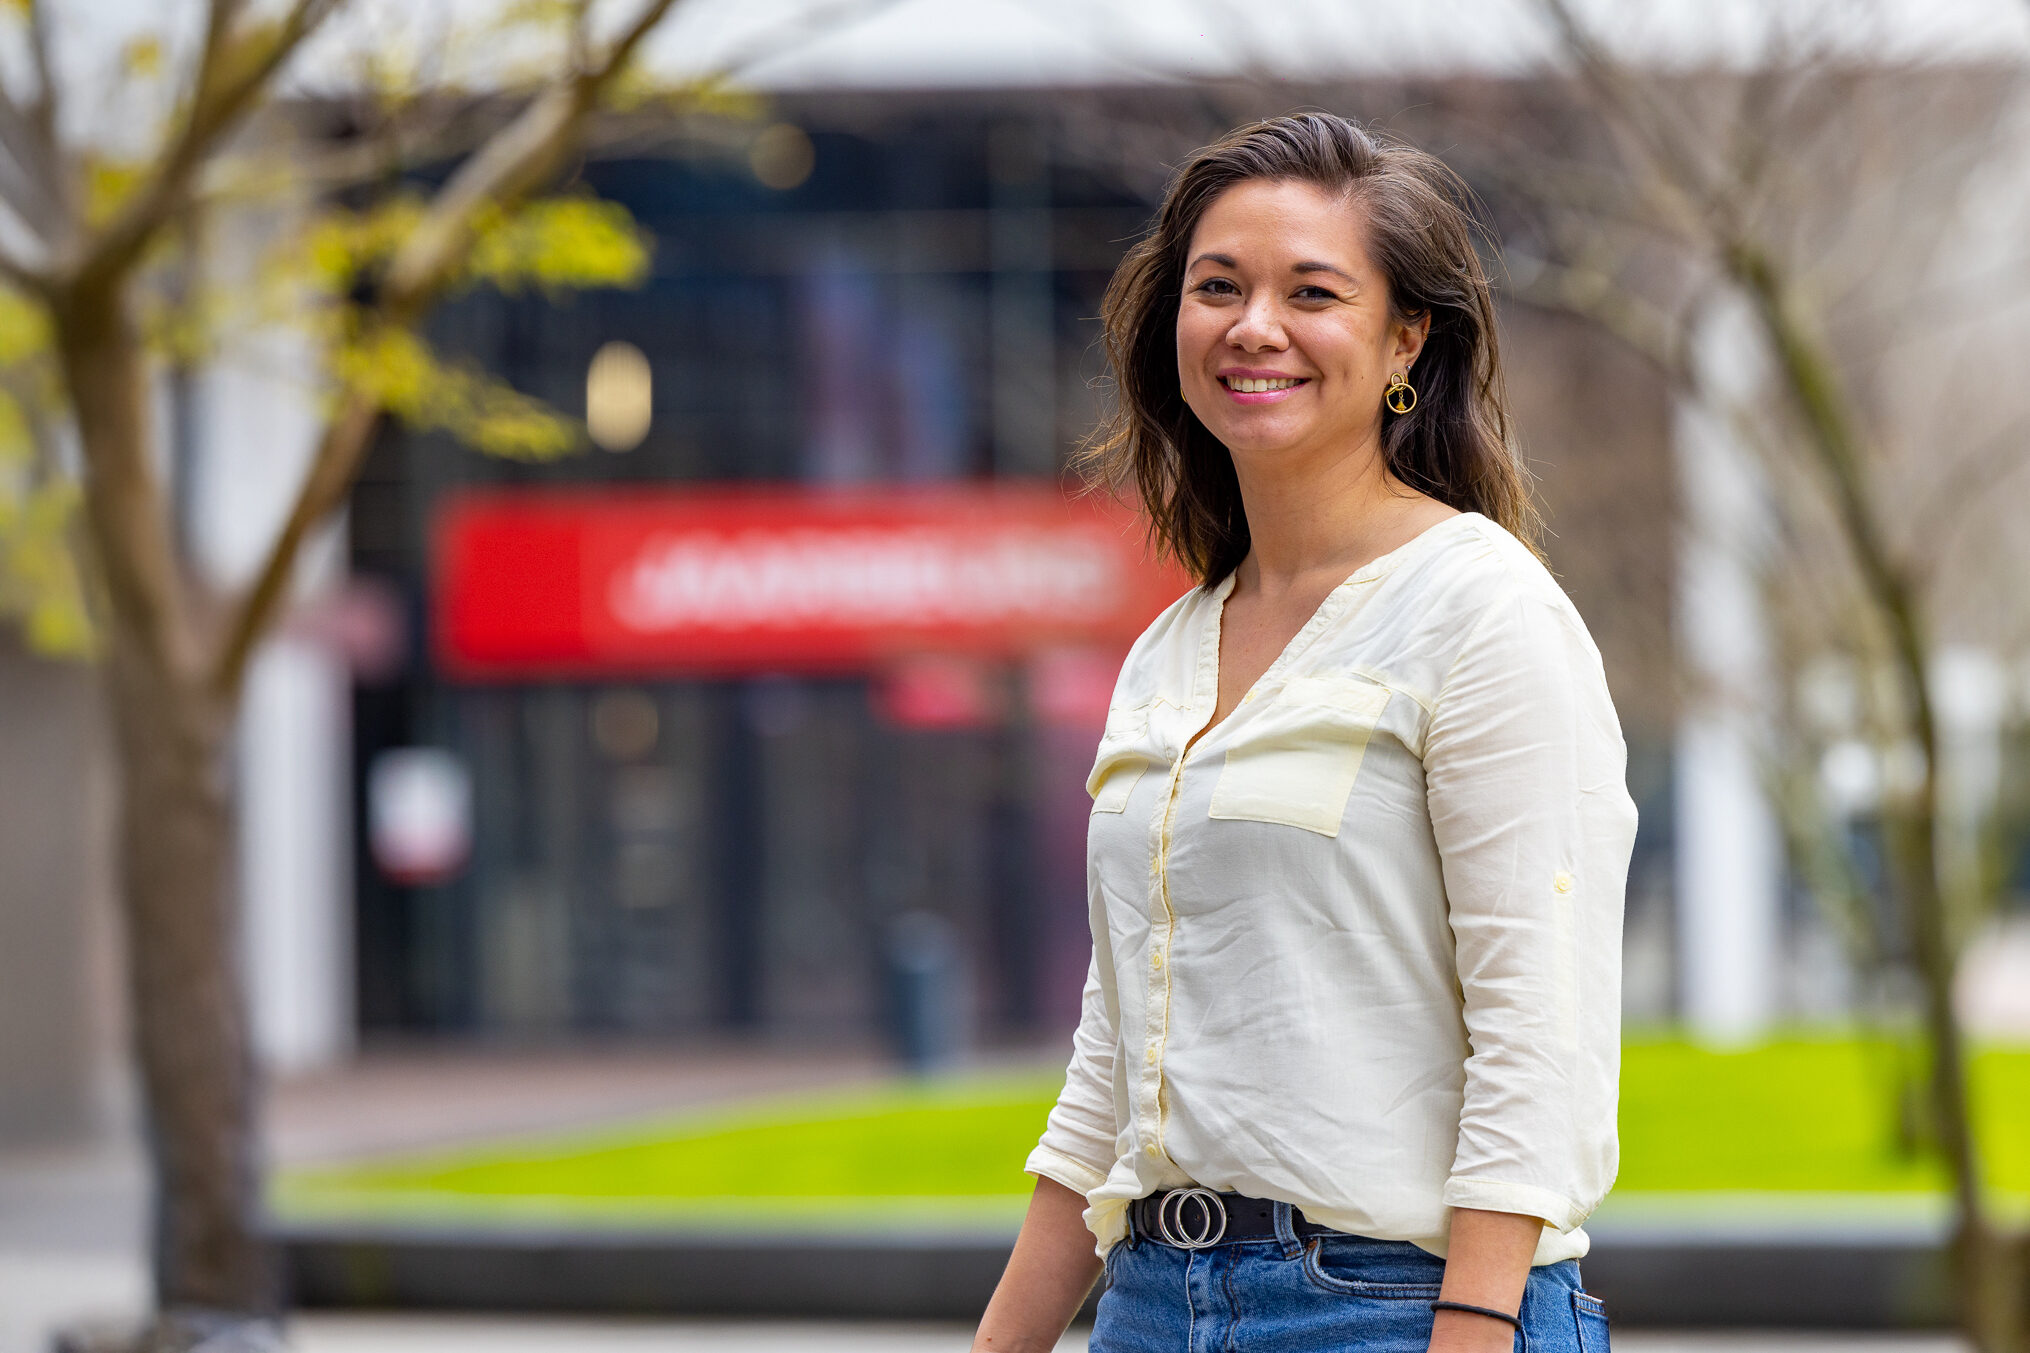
1347, 1294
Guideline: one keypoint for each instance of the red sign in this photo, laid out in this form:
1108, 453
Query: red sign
544, 583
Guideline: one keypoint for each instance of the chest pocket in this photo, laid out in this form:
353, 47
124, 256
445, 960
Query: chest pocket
1297, 759
1122, 759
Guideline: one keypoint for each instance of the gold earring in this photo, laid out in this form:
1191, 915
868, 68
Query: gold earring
1401, 395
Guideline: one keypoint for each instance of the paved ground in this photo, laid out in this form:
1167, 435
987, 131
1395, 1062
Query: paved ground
401, 1100
70, 1241
376, 1334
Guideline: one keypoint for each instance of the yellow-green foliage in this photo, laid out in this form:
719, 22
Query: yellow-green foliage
39, 584
555, 245
341, 246
108, 184
24, 331
38, 575
560, 244
415, 385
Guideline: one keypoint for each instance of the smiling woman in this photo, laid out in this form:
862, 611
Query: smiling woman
1348, 238
1345, 1075
1286, 336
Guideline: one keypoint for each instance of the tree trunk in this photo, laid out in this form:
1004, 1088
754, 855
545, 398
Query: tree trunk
174, 837
190, 1033
1992, 1280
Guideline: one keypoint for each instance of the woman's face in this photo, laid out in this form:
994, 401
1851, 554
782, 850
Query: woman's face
1284, 337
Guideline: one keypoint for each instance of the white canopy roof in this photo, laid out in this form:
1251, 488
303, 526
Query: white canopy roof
1044, 43
1028, 44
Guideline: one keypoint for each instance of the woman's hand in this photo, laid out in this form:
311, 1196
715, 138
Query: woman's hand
1487, 1263
1052, 1269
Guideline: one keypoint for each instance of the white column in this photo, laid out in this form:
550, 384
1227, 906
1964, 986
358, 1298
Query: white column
1729, 847
295, 855
1970, 686
256, 424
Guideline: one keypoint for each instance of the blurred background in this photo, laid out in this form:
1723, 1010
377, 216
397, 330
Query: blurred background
657, 812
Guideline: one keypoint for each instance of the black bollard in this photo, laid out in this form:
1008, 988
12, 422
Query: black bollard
924, 984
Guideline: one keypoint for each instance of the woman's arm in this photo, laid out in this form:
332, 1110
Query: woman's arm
1487, 1263
1053, 1266
1524, 774
1524, 771
1052, 1269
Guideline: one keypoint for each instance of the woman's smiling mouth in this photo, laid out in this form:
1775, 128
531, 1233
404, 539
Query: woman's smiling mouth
1252, 389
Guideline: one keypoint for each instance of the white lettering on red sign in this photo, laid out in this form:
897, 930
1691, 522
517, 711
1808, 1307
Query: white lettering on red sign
853, 578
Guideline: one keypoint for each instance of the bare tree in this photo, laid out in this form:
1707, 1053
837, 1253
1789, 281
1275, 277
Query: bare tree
1757, 187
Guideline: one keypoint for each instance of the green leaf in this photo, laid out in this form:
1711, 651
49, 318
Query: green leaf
339, 247
39, 583
398, 369
561, 244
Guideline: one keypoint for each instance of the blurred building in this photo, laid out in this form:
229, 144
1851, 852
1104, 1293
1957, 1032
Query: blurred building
59, 980
883, 287
881, 295
877, 292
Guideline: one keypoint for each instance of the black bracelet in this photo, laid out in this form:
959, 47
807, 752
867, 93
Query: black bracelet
1488, 1311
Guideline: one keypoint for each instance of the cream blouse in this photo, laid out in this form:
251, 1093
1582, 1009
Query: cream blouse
1360, 950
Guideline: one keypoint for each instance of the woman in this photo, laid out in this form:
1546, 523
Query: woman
1346, 1072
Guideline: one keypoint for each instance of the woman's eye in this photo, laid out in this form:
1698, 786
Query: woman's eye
1218, 286
1314, 294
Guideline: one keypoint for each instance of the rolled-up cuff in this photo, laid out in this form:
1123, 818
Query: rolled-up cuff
1075, 1175
1487, 1195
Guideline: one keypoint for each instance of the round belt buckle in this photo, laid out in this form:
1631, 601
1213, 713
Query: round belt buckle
1211, 1218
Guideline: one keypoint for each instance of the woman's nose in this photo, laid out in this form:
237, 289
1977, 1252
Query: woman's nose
1258, 327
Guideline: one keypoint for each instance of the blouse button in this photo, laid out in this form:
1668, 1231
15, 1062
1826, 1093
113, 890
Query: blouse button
1156, 960
1563, 883
1153, 1149
1150, 1055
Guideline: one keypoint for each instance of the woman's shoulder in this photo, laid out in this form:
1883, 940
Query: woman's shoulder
1482, 590
1162, 657
1478, 564
1179, 619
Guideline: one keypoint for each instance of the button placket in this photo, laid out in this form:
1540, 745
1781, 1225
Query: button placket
1163, 917
1158, 1004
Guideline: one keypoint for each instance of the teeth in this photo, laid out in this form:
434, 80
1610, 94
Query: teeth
1252, 385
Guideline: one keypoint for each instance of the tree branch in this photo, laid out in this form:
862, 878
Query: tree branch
1686, 186
1974, 474
43, 112
24, 276
1591, 293
336, 461
233, 70
27, 177
514, 163
511, 165
35, 187
1811, 377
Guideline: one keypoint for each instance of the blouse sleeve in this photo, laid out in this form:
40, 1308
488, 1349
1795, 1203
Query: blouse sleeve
1077, 1149
1525, 774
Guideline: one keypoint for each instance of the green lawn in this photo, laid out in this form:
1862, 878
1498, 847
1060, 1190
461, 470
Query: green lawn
1793, 1117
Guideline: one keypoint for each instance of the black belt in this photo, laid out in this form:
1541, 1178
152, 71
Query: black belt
1196, 1218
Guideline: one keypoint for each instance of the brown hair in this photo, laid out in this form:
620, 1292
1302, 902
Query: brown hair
1454, 445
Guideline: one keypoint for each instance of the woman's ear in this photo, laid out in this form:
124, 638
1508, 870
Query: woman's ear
1410, 340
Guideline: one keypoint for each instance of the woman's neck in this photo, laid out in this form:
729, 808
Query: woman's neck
1325, 514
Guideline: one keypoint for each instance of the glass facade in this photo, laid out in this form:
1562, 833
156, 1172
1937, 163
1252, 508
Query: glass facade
760, 852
